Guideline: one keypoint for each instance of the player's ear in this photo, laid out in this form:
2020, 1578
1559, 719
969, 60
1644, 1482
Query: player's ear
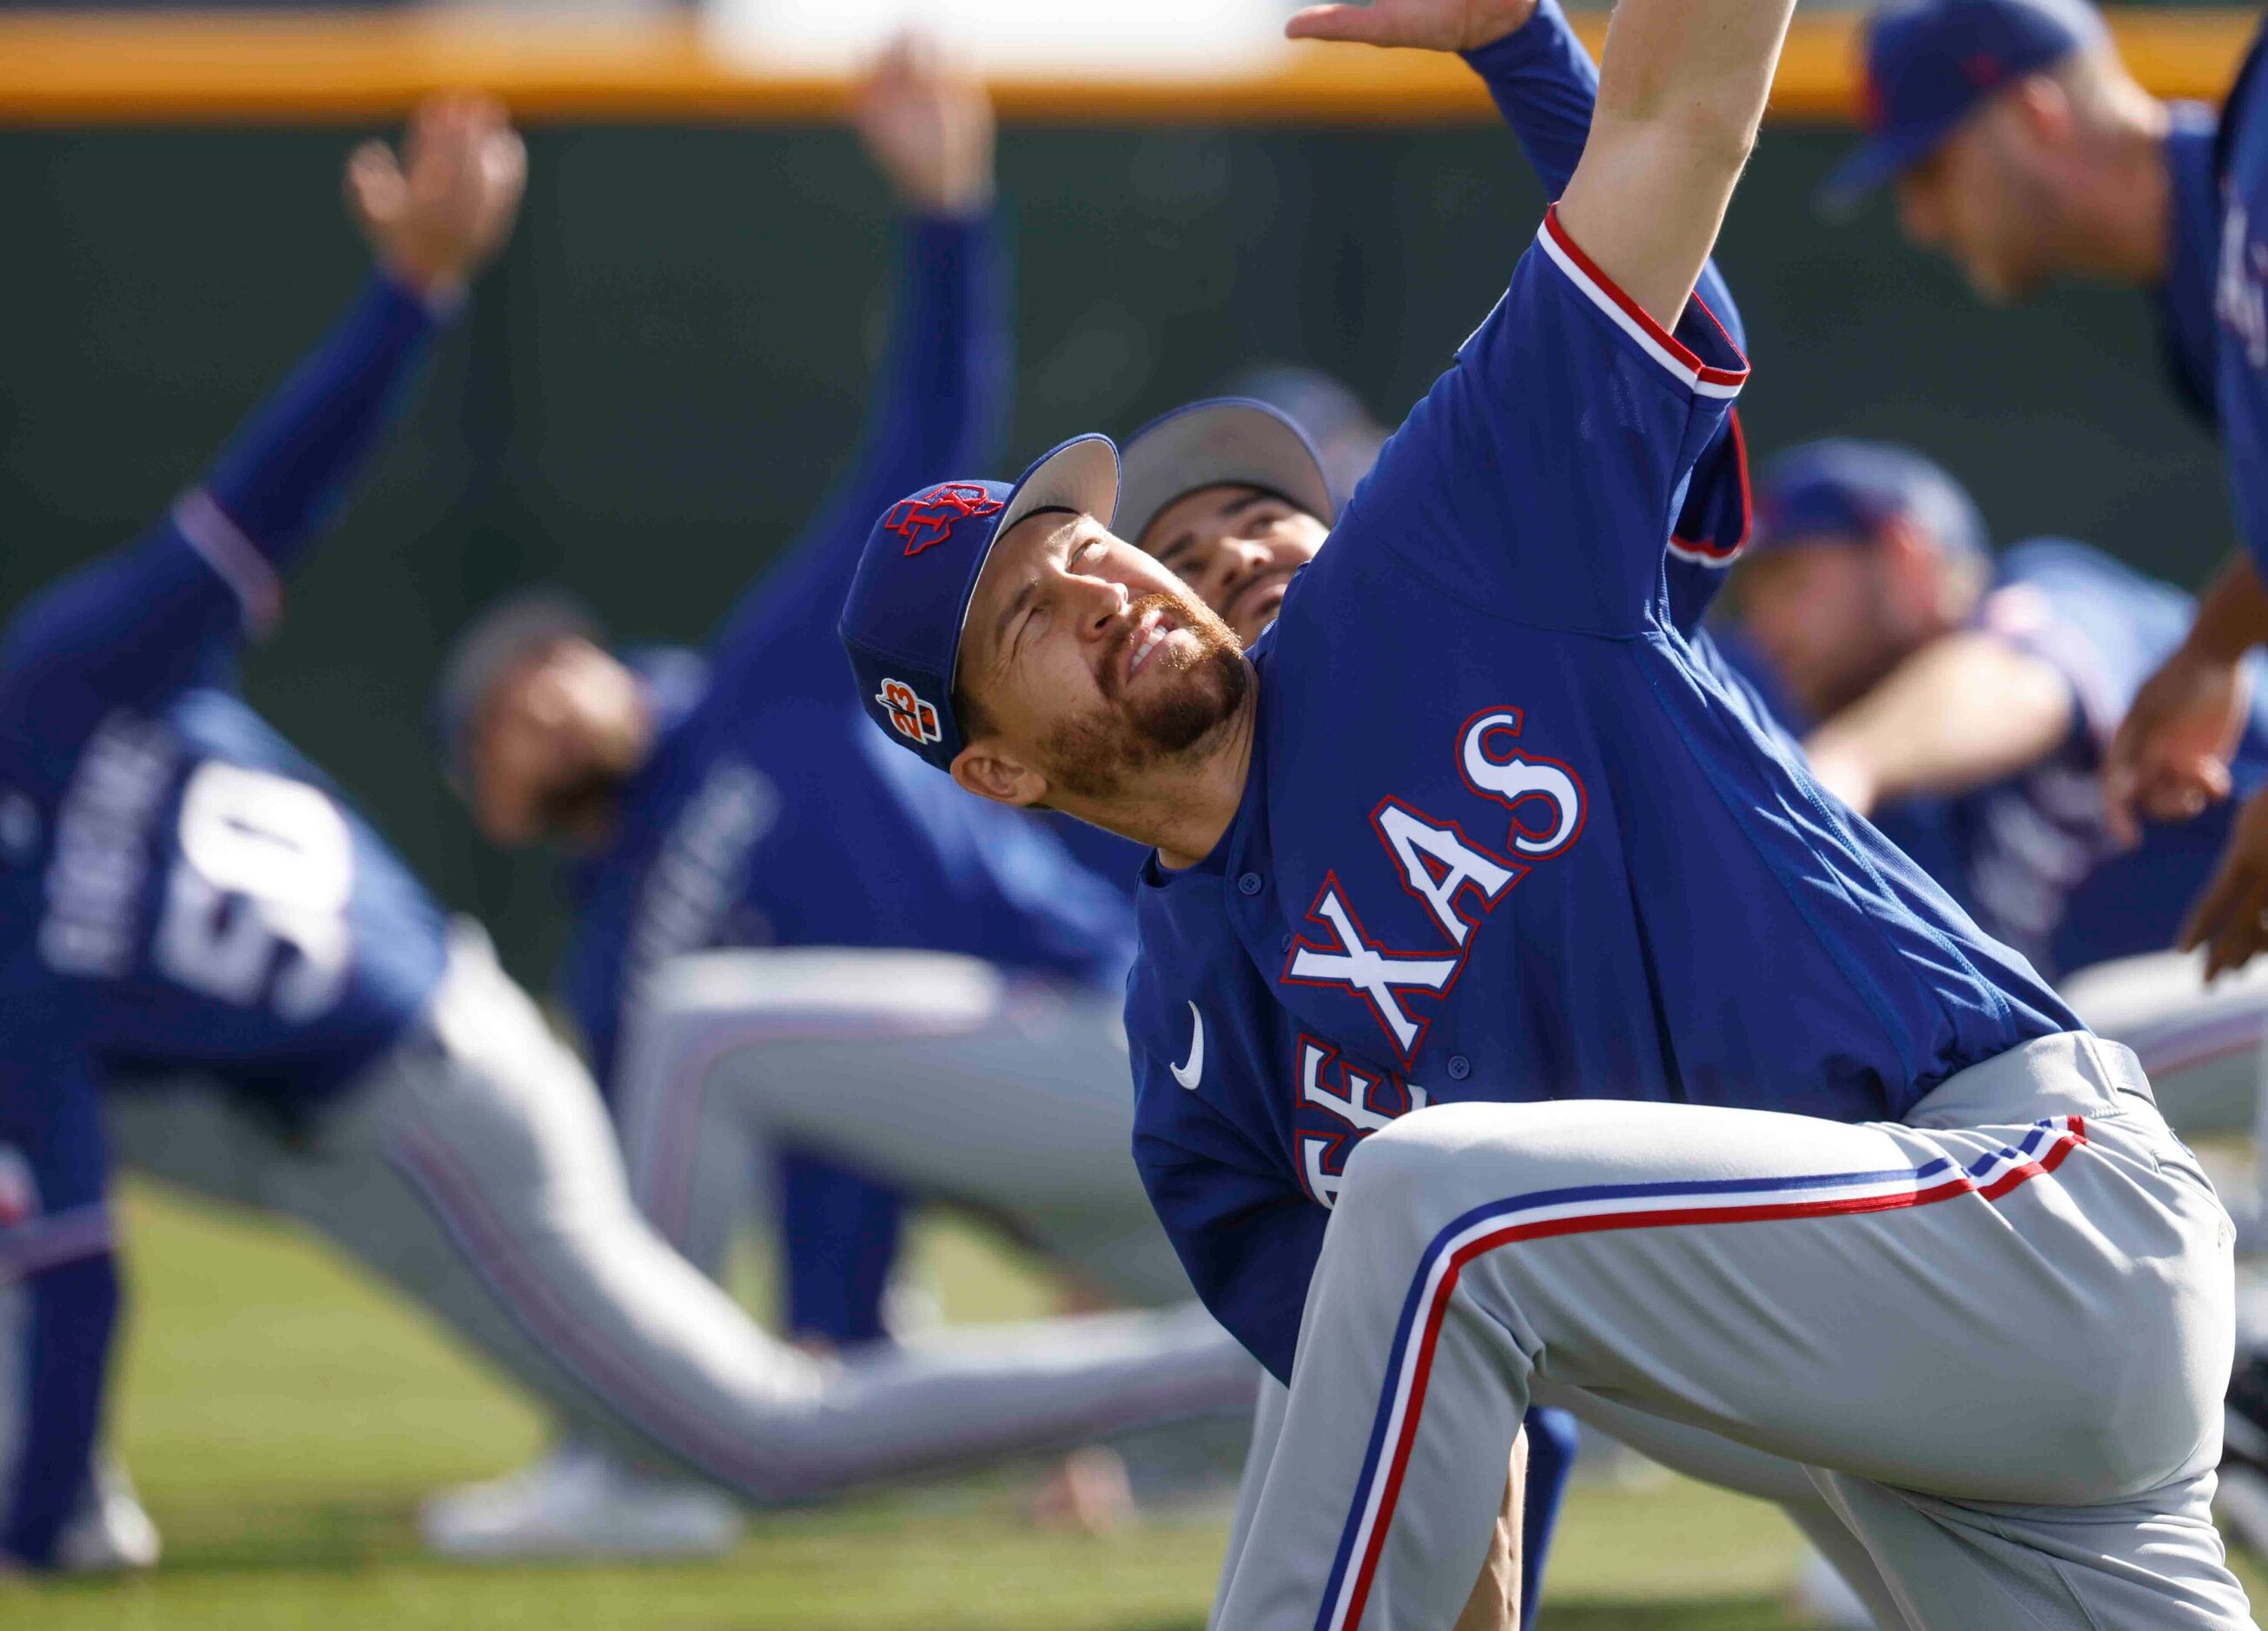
2042, 109
984, 769
1915, 561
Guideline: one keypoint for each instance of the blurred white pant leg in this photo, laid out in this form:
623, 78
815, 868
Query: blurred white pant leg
475, 1168
928, 1071
2200, 1045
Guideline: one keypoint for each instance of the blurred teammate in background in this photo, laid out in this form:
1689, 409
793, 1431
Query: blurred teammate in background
788, 936
217, 972
1964, 701
2023, 146
1926, 668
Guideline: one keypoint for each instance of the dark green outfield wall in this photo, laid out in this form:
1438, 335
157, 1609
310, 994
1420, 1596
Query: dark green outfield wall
664, 374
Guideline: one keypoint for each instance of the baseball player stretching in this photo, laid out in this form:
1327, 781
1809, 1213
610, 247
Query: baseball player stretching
1235, 497
217, 972
1988, 688
1472, 831
2021, 147
788, 936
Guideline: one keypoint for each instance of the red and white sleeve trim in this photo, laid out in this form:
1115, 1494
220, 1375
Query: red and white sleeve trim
1703, 551
1650, 337
235, 558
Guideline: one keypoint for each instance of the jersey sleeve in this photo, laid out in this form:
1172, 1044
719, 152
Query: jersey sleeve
56, 1246
1541, 476
1248, 1237
1249, 1244
2076, 613
1545, 86
167, 612
935, 413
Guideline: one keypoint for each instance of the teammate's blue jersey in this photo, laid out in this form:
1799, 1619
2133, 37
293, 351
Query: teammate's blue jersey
2183, 300
181, 891
2240, 301
2032, 857
771, 813
1506, 837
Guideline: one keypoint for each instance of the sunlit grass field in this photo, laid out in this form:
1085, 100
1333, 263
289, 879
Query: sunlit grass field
283, 1415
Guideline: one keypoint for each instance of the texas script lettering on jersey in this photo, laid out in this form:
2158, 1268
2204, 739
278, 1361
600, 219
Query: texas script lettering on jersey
2238, 299
1459, 881
1438, 863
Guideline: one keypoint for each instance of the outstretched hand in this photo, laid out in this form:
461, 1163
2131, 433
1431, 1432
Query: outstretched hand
927, 123
2170, 757
1424, 25
439, 213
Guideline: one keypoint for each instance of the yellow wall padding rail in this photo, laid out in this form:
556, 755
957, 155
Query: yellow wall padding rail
100, 69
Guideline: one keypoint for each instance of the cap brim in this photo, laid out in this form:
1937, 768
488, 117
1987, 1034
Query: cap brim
1228, 441
1080, 475
1877, 161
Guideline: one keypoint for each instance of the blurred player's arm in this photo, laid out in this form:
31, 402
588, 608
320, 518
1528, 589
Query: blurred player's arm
2170, 757
60, 1255
1962, 711
158, 615
1494, 1604
940, 400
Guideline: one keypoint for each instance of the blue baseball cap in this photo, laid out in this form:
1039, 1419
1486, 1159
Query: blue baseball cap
903, 620
1847, 488
1930, 62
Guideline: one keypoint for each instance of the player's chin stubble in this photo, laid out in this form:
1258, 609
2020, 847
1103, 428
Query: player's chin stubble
1094, 755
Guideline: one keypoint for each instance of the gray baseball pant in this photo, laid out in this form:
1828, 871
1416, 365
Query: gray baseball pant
473, 1167
934, 1072
1994, 1336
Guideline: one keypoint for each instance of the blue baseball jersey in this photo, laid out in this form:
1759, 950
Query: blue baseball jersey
2031, 856
180, 890
772, 812
1508, 837
2240, 301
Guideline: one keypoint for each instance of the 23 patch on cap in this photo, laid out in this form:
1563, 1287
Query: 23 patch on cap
909, 716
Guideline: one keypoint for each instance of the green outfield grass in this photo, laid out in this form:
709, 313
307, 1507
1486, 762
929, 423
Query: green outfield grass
282, 1415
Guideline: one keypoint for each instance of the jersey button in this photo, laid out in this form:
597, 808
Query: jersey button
1249, 884
1459, 1067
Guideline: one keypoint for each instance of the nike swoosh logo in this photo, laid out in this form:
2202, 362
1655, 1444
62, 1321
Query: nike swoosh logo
1190, 1074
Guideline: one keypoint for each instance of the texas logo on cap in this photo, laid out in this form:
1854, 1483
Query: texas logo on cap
902, 619
928, 518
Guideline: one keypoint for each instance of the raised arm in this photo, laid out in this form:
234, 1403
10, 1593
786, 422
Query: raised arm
154, 617
938, 402
1922, 730
1680, 98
